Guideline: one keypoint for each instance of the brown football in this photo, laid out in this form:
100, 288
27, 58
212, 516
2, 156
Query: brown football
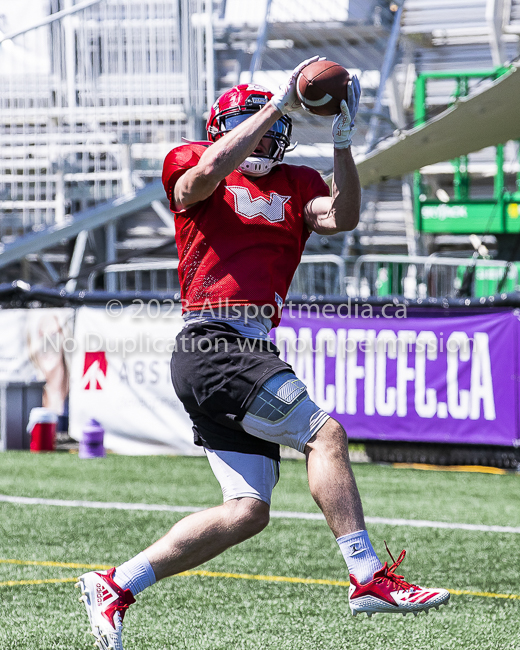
321, 86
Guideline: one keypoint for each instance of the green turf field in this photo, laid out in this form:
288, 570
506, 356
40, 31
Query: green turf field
207, 612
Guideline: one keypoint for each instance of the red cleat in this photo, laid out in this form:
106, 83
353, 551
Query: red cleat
388, 592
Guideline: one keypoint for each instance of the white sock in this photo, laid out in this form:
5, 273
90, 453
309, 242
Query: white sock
359, 555
136, 574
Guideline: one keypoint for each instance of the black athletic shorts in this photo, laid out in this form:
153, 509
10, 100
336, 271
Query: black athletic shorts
216, 373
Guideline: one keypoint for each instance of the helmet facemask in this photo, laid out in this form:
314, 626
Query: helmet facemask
242, 102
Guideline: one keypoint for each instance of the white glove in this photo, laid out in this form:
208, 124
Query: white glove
343, 125
286, 99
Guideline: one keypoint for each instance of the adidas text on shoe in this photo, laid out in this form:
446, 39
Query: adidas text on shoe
388, 592
106, 605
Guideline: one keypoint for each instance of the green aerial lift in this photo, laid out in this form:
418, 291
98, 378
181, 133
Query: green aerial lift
498, 214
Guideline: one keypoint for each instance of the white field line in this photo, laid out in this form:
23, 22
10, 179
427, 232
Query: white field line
276, 514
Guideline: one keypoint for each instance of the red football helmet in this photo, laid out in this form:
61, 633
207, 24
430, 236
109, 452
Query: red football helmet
235, 106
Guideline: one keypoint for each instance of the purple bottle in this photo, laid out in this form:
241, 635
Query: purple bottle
91, 444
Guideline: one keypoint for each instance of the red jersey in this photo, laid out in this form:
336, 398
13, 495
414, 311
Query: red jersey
241, 245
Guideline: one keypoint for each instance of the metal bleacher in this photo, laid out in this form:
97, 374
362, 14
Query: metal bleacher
90, 104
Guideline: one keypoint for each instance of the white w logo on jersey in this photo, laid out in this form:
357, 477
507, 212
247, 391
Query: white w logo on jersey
272, 209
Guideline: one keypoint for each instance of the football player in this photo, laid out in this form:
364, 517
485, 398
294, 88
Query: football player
243, 217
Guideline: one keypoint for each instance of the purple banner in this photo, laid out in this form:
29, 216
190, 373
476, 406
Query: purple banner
418, 379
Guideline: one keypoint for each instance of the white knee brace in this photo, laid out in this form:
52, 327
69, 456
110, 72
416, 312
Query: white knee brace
282, 412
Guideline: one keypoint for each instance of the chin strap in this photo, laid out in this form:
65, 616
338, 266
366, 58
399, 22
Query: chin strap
256, 166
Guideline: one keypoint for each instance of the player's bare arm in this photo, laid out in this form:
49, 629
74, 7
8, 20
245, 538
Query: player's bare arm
340, 212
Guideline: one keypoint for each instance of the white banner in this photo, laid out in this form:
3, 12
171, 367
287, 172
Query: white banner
32, 349
120, 376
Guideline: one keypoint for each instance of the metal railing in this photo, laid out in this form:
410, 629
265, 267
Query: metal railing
367, 276
319, 275
430, 277
157, 277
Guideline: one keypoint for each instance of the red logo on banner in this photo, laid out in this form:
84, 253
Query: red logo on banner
95, 371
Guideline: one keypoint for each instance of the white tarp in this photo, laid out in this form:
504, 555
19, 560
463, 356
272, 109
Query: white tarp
31, 349
120, 375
